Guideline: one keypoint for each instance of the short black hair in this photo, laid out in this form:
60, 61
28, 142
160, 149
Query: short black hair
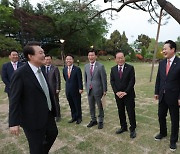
92, 50
117, 53
29, 50
172, 44
70, 55
12, 50
47, 55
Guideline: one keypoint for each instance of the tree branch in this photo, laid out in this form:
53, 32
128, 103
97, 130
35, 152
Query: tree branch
115, 9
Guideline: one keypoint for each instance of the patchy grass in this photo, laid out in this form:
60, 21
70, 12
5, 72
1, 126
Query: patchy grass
78, 139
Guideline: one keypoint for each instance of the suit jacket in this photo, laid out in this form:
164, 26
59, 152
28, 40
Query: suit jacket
126, 83
98, 80
74, 83
170, 84
53, 78
7, 71
28, 103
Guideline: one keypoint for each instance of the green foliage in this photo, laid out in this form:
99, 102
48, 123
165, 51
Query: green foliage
72, 23
143, 51
148, 56
159, 54
8, 24
55, 52
143, 41
2, 61
132, 55
7, 44
128, 58
118, 42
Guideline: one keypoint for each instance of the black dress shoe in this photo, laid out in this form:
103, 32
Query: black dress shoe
133, 134
71, 121
92, 123
100, 125
121, 130
158, 137
173, 147
78, 121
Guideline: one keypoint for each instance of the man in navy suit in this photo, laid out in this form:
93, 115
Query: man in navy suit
167, 91
122, 80
74, 88
32, 104
9, 68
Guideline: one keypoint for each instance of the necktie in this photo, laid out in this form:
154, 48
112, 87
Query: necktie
14, 66
47, 69
44, 87
91, 70
168, 66
120, 72
69, 72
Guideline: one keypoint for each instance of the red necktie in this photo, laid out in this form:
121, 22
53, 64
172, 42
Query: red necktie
91, 70
120, 72
168, 66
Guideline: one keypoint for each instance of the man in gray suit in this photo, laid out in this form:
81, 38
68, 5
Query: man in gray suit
53, 76
96, 86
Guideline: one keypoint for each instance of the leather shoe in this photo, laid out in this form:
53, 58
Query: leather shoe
100, 125
92, 123
158, 137
133, 134
78, 121
121, 130
71, 121
173, 147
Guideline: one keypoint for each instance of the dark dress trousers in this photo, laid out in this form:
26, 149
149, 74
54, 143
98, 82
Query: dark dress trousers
7, 71
54, 80
73, 85
125, 84
28, 108
168, 89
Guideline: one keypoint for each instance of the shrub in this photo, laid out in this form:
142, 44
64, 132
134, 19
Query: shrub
128, 58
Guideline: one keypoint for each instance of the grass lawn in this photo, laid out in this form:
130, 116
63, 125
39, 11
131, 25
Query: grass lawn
78, 139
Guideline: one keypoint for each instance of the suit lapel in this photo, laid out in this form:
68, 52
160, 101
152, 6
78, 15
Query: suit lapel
163, 68
173, 65
11, 67
95, 69
124, 70
32, 77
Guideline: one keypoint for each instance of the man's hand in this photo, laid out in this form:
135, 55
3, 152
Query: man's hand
121, 94
80, 91
156, 97
105, 93
179, 102
14, 130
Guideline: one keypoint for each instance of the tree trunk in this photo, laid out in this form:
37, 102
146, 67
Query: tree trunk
171, 9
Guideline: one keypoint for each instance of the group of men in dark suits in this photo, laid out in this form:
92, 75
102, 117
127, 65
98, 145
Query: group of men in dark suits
33, 104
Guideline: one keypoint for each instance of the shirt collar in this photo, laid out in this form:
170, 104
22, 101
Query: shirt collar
171, 59
93, 63
14, 63
34, 68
